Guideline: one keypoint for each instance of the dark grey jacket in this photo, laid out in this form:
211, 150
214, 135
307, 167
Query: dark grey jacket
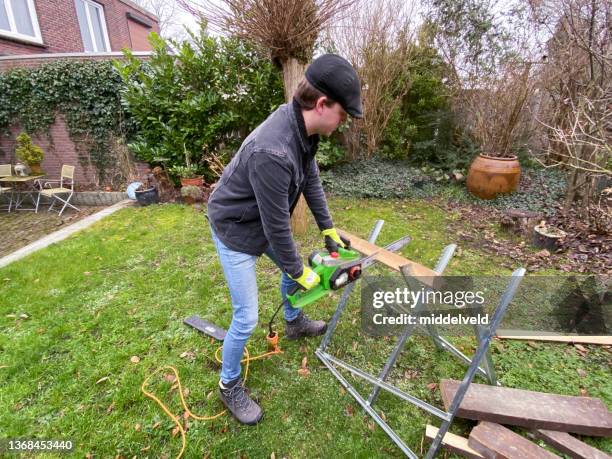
252, 203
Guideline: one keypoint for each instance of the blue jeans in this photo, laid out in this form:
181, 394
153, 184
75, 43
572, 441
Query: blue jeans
239, 270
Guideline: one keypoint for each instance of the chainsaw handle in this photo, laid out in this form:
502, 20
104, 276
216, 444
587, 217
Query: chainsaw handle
293, 290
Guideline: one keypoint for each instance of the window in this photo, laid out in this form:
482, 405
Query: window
93, 26
18, 20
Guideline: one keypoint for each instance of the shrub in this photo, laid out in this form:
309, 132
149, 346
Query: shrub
374, 178
26, 151
191, 191
198, 102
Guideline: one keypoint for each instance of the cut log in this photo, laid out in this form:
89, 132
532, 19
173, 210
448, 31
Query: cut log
390, 259
520, 221
494, 441
583, 339
453, 443
539, 410
567, 444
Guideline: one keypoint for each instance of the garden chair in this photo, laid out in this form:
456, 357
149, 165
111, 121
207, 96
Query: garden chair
63, 193
5, 171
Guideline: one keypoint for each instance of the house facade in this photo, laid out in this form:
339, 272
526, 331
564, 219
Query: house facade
73, 26
35, 32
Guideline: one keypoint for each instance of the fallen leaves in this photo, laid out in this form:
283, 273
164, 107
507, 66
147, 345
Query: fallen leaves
304, 371
586, 249
581, 349
188, 355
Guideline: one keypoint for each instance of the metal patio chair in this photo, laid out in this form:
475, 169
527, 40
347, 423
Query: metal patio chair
63, 193
6, 171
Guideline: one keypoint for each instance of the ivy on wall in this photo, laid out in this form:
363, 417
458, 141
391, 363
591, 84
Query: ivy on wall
86, 93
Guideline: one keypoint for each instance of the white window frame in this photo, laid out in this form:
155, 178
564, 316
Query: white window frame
37, 38
90, 27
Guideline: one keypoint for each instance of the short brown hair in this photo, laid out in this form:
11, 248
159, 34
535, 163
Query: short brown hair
306, 95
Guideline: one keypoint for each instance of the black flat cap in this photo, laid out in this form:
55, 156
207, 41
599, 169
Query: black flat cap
335, 77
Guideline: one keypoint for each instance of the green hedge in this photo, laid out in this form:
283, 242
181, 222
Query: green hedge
203, 100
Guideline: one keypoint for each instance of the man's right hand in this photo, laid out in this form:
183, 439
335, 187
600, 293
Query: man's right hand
308, 279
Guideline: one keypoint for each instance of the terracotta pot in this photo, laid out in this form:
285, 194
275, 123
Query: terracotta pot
35, 168
490, 176
196, 181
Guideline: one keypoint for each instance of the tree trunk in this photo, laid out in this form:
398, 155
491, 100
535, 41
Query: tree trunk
293, 72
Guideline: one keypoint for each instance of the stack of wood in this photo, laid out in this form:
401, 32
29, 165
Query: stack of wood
548, 417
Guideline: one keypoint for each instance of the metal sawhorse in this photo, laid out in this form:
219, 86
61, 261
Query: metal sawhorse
483, 335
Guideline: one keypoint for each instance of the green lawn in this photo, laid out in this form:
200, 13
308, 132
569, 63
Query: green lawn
72, 316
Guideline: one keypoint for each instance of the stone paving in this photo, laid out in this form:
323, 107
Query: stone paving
18, 229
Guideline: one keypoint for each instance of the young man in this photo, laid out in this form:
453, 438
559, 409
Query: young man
250, 210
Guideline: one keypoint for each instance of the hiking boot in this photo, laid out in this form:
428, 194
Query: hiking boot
236, 398
302, 326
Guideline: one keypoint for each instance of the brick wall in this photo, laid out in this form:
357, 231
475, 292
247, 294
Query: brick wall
62, 40
60, 150
60, 31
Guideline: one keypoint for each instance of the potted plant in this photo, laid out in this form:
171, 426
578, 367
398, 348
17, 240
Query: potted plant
29, 153
146, 195
496, 110
191, 194
188, 175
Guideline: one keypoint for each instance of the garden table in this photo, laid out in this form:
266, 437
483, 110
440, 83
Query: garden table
27, 189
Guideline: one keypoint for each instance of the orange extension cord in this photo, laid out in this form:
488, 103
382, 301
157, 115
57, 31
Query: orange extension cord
273, 342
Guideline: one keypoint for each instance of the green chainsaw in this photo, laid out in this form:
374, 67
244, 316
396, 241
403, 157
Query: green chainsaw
336, 266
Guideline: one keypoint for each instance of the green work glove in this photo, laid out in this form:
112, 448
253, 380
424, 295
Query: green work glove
308, 279
333, 240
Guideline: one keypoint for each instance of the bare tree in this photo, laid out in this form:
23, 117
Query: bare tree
495, 111
168, 13
576, 111
377, 37
286, 29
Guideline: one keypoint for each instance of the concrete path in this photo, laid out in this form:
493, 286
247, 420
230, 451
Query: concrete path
63, 233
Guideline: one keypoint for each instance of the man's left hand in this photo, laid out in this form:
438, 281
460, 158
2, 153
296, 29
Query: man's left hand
334, 240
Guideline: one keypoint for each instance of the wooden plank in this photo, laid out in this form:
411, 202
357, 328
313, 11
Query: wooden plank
582, 339
494, 441
535, 410
567, 444
390, 259
453, 443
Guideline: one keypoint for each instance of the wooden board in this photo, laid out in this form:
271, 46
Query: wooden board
496, 441
390, 259
453, 443
539, 410
567, 444
582, 339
